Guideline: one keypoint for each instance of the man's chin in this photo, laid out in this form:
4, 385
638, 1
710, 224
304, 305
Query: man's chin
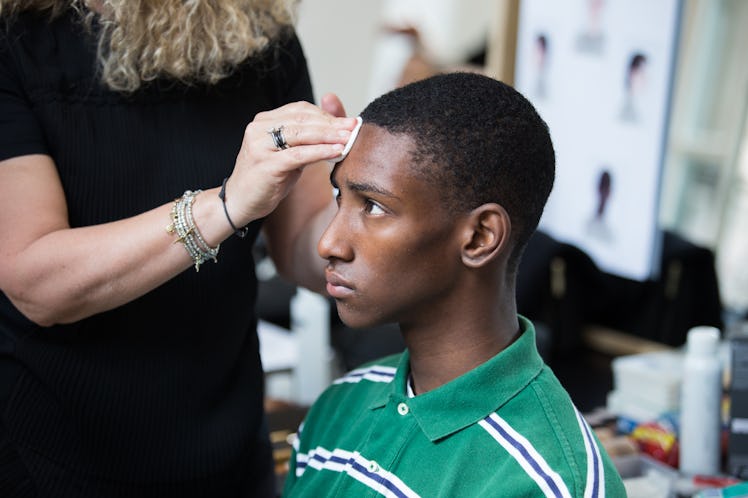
357, 320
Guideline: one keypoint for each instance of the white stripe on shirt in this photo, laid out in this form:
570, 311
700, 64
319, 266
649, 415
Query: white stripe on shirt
526, 455
367, 472
374, 373
595, 471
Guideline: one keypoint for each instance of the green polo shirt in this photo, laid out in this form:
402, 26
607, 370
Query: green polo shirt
506, 428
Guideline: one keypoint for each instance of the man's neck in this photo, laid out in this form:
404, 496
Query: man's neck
441, 353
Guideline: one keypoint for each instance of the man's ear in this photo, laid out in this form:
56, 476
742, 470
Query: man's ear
487, 232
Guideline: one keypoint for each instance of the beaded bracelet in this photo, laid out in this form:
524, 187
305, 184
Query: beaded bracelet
183, 224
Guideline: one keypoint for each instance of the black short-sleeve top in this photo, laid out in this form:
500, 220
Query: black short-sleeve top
167, 387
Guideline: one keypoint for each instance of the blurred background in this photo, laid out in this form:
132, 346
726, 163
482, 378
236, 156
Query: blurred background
646, 233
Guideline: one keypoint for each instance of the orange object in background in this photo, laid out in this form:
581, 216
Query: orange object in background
659, 440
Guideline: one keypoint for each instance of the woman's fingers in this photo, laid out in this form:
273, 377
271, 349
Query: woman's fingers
295, 135
296, 125
303, 145
300, 156
305, 123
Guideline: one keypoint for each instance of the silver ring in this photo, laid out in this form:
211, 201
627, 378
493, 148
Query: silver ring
278, 139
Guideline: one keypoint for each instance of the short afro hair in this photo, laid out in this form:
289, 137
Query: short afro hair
479, 140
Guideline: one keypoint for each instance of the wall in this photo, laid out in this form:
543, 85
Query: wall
338, 38
350, 54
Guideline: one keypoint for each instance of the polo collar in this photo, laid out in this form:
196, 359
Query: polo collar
472, 396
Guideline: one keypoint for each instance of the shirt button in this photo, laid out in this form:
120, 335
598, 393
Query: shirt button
373, 467
402, 409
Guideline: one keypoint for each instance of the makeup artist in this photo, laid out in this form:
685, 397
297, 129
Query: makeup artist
138, 145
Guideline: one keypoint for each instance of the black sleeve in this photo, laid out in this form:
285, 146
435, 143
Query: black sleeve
20, 132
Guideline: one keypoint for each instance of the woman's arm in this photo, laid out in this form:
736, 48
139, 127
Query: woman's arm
57, 274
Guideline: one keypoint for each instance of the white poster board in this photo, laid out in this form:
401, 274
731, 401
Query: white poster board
600, 73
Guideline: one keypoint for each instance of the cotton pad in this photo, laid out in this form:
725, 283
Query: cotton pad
351, 139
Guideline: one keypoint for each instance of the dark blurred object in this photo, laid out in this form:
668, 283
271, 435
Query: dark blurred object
685, 295
273, 301
357, 346
560, 286
557, 285
283, 420
737, 445
273, 293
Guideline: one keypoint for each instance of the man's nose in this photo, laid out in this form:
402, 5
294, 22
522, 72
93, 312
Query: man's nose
334, 244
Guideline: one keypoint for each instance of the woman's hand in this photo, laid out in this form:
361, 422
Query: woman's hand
263, 174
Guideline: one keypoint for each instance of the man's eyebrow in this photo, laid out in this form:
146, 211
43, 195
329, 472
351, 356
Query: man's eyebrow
361, 186
370, 187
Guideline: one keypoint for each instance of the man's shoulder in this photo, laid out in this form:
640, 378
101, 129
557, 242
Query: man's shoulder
361, 388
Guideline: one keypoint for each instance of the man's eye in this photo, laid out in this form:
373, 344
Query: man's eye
372, 207
336, 194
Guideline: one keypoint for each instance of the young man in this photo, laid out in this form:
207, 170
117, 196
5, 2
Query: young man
436, 200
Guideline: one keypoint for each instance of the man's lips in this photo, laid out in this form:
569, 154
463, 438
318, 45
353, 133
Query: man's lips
337, 287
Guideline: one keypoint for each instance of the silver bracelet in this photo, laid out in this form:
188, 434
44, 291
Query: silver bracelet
183, 225
208, 251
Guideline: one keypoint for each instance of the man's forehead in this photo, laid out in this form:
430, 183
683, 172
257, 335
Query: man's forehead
377, 147
384, 159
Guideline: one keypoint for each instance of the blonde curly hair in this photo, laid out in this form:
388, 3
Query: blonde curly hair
194, 41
